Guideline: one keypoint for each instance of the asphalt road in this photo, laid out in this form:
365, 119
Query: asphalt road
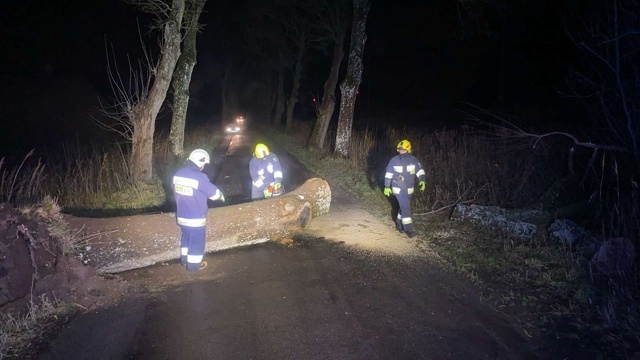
317, 299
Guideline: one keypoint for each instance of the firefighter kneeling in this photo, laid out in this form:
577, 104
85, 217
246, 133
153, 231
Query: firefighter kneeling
266, 174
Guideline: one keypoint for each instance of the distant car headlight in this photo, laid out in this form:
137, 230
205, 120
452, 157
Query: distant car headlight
232, 129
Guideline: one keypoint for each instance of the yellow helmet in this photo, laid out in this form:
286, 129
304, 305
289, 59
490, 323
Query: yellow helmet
404, 144
261, 151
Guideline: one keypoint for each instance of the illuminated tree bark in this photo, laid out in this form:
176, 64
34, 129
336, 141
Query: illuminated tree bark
125, 243
328, 103
182, 76
335, 27
351, 82
143, 114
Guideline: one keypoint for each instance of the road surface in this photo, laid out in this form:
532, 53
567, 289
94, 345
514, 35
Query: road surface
349, 288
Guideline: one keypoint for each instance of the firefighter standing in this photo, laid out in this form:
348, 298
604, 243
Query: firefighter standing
399, 179
266, 173
192, 188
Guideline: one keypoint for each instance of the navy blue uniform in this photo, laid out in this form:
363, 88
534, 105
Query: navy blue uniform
192, 188
264, 172
400, 176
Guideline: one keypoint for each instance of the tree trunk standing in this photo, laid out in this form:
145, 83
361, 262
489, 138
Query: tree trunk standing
273, 97
182, 77
277, 117
351, 82
297, 75
328, 104
142, 146
143, 117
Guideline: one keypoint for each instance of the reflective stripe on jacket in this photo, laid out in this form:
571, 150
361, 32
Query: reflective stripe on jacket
191, 189
401, 173
265, 171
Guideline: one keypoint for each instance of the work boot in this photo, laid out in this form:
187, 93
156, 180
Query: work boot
183, 260
411, 235
399, 228
196, 267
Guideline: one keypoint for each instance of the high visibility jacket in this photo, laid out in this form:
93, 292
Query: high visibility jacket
191, 189
401, 174
265, 171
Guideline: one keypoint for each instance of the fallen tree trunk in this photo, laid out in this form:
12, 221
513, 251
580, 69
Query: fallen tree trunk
113, 245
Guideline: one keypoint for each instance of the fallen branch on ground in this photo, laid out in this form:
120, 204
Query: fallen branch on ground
454, 204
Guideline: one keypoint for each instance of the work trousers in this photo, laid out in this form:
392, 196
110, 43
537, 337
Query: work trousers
192, 245
404, 220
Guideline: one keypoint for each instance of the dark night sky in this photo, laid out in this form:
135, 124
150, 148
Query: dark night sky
418, 57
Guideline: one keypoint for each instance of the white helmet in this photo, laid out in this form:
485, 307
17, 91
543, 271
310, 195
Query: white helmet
199, 157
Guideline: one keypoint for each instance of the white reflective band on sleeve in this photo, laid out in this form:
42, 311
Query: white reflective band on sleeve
192, 222
388, 175
216, 196
184, 251
398, 169
411, 169
258, 183
420, 173
396, 190
179, 180
277, 174
410, 191
194, 259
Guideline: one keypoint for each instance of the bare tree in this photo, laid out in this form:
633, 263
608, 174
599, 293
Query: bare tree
608, 78
351, 82
605, 82
332, 21
277, 34
294, 17
301, 43
138, 101
182, 75
265, 39
279, 100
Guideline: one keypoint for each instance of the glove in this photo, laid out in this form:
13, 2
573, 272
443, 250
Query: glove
422, 185
222, 197
387, 191
277, 186
266, 193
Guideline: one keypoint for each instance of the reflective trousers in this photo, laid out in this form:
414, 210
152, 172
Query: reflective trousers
404, 220
192, 245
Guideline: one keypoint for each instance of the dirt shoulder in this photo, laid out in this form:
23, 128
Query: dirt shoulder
350, 224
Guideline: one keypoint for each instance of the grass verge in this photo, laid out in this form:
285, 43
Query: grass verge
20, 335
